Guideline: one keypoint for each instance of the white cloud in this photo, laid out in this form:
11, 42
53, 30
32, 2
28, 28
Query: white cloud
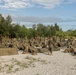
48, 3
69, 1
17, 4
0, 0
32, 19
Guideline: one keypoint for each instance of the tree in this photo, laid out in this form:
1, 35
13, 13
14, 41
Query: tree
34, 27
9, 19
41, 30
56, 27
14, 30
22, 32
4, 31
1, 19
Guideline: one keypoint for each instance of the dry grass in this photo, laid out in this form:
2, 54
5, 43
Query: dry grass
8, 51
32, 60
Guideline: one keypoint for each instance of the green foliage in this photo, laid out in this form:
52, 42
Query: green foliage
56, 27
23, 31
16, 30
3, 26
9, 19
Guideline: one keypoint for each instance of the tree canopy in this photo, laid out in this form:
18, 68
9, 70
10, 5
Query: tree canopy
13, 30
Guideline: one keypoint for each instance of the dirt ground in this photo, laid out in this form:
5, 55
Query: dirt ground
58, 63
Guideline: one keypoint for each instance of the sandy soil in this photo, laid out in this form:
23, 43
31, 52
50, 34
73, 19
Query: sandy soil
42, 64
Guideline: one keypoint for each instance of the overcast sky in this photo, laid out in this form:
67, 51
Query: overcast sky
30, 12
